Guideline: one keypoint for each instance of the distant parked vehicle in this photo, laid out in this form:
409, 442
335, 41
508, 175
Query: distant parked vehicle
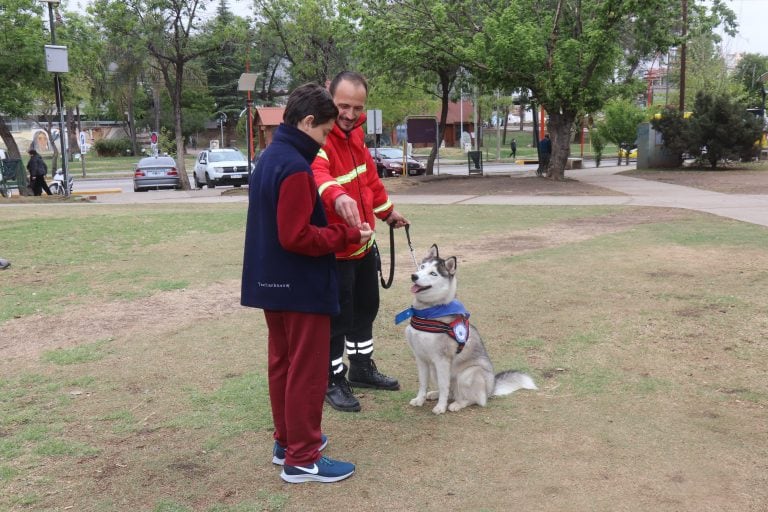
57, 185
389, 162
225, 166
156, 172
632, 151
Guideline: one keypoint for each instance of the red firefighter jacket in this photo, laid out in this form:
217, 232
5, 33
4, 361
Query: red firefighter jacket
344, 166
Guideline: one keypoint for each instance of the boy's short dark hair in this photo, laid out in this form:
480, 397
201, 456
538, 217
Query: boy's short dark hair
350, 76
310, 100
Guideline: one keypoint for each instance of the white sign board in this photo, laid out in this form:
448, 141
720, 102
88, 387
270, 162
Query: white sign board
56, 59
374, 122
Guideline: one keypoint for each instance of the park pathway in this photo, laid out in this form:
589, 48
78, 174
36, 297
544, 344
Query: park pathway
637, 192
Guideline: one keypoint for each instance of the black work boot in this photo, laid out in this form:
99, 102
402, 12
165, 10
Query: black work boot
339, 395
364, 374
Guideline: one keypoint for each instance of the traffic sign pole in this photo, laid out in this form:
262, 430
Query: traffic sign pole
82, 153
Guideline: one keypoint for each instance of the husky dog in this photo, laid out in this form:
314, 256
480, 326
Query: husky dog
448, 350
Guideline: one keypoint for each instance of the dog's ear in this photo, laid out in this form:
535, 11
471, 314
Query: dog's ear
450, 265
433, 252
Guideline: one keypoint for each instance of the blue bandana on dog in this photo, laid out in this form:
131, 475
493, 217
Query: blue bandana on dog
423, 320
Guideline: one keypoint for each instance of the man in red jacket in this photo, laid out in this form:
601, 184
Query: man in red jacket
352, 192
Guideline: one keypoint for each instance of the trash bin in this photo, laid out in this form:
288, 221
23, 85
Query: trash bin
475, 162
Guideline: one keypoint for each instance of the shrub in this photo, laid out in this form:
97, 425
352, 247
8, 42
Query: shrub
112, 147
718, 129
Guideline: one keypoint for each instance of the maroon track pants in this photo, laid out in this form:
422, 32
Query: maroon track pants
299, 348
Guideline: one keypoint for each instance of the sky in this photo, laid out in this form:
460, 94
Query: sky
752, 17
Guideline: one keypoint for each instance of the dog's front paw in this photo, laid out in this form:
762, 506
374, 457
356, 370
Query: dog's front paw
433, 395
418, 401
439, 409
455, 406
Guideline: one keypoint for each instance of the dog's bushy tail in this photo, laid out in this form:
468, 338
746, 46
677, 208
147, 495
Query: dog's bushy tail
510, 381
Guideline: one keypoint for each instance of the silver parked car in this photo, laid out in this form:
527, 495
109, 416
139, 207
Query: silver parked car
156, 172
225, 166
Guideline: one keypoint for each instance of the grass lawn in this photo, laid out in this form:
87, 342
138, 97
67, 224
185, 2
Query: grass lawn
131, 379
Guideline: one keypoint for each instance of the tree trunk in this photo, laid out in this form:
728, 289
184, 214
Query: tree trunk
180, 165
445, 89
13, 152
73, 145
10, 142
560, 125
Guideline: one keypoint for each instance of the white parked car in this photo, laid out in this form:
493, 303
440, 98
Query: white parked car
225, 166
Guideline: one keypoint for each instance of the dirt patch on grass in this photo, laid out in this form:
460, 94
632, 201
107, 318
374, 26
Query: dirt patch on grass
106, 320
492, 185
727, 181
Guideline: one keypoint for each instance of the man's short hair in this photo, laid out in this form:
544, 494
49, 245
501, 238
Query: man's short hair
310, 100
349, 76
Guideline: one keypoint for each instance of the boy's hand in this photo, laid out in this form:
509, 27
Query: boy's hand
365, 232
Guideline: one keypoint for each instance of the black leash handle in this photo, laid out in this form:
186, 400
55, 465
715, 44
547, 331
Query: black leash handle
387, 283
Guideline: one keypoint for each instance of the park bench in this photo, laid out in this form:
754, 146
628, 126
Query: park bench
574, 163
11, 176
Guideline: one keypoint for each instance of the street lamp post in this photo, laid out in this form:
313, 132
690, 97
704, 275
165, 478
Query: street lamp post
246, 83
222, 120
56, 60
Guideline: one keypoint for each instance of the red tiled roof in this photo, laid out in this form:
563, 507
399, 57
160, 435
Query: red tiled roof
456, 112
269, 116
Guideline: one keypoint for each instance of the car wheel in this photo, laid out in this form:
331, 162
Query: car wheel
237, 185
198, 185
209, 181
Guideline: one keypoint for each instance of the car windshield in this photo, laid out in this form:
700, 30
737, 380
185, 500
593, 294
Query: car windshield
390, 153
223, 156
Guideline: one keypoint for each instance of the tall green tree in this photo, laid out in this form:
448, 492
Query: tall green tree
84, 46
619, 126
123, 68
223, 68
750, 68
22, 61
314, 34
170, 31
396, 42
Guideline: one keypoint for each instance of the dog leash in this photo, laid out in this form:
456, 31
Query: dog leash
388, 282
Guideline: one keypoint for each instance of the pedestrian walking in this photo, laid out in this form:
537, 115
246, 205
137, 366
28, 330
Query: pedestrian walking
37, 171
513, 148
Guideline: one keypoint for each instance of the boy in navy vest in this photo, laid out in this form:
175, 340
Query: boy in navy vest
289, 271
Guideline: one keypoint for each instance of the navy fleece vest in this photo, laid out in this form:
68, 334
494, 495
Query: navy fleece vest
273, 278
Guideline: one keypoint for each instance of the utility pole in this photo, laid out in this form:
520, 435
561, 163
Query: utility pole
57, 62
683, 36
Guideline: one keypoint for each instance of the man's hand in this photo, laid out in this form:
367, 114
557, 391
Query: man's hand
396, 220
346, 208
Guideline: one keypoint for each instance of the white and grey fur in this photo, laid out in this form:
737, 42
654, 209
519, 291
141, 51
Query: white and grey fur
466, 378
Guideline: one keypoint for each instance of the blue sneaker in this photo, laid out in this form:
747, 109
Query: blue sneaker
324, 470
278, 452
